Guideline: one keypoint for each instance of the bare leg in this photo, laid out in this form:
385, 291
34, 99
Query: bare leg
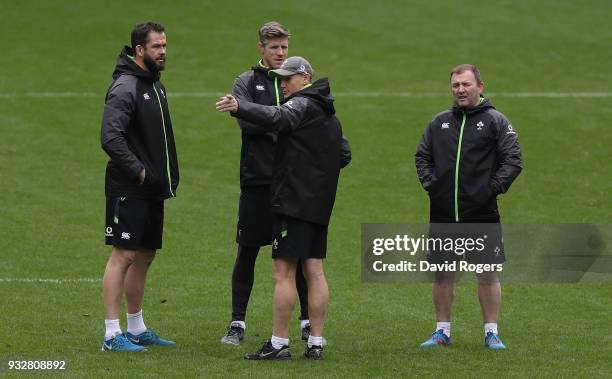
116, 268
489, 294
443, 292
135, 279
284, 295
318, 294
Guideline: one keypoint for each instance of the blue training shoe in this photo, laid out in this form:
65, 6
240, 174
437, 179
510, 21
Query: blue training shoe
148, 337
438, 338
493, 342
120, 343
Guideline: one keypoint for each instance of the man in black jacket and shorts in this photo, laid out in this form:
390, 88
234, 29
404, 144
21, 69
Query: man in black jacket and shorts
142, 172
254, 228
467, 156
311, 151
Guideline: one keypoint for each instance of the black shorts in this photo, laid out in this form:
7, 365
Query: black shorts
294, 238
133, 223
254, 217
472, 242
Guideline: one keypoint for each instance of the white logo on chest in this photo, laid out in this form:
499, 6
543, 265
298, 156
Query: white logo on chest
445, 125
146, 96
260, 87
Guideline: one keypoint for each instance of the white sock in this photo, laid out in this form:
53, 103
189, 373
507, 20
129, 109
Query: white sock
278, 342
136, 323
315, 341
490, 327
112, 329
445, 326
303, 323
241, 324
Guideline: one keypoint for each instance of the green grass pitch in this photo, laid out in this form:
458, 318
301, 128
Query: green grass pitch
57, 59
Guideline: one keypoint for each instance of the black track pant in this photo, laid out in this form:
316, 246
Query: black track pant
242, 283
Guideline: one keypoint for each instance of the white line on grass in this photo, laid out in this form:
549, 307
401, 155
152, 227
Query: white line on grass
50, 281
488, 94
337, 94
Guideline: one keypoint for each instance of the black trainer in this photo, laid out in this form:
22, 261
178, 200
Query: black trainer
268, 352
305, 332
235, 334
314, 352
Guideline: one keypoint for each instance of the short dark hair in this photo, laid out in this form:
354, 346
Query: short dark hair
140, 33
271, 30
460, 69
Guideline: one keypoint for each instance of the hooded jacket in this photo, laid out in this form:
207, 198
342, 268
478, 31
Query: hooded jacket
309, 153
258, 144
465, 158
137, 133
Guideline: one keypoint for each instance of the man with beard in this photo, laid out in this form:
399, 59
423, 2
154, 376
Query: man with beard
142, 172
254, 228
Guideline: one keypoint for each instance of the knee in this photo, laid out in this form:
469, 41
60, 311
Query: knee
284, 275
284, 271
123, 257
312, 276
488, 278
313, 272
442, 278
146, 257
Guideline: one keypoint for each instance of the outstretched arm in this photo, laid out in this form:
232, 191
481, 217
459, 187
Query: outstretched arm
241, 92
283, 119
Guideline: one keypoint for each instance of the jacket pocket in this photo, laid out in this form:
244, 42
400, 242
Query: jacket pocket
482, 201
153, 179
440, 193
